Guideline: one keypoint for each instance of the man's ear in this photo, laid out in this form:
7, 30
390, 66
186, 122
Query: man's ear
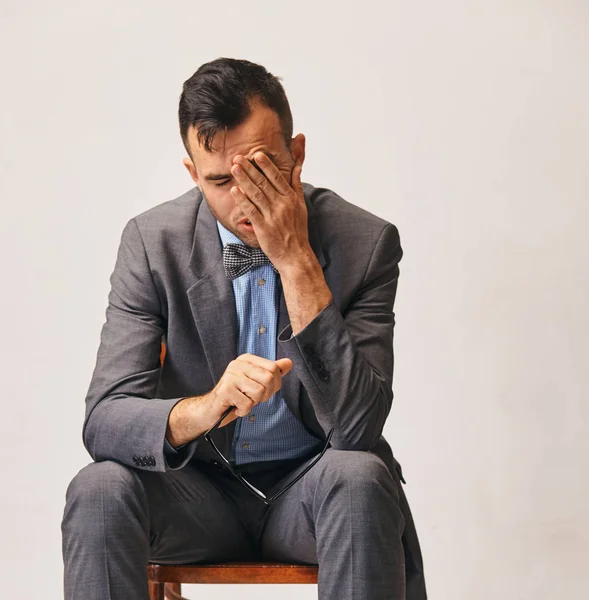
191, 169
297, 149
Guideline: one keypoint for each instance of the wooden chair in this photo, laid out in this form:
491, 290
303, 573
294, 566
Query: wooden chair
165, 580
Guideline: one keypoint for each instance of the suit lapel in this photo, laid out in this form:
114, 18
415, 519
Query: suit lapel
213, 307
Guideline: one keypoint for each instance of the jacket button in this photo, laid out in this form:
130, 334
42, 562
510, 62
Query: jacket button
323, 375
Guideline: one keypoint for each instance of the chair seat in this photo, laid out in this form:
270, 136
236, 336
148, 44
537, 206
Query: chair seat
233, 572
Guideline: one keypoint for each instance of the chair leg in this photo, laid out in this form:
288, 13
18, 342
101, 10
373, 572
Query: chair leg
173, 591
156, 591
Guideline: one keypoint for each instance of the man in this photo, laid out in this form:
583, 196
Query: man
275, 302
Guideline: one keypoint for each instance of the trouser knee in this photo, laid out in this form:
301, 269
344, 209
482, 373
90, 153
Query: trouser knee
361, 471
99, 492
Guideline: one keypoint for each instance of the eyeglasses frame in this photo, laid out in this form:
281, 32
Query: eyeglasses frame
265, 499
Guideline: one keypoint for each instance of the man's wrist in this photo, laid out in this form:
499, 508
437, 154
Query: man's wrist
303, 264
187, 420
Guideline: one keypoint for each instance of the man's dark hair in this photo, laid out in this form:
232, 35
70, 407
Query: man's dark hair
219, 96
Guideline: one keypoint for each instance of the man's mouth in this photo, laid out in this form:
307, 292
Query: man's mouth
247, 225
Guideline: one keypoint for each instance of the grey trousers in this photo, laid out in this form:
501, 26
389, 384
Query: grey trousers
342, 515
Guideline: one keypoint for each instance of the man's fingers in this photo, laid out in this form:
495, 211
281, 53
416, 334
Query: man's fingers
249, 386
253, 370
297, 185
283, 364
243, 405
270, 170
254, 379
252, 171
259, 361
255, 186
260, 375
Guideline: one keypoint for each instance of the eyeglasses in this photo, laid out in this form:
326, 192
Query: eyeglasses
255, 491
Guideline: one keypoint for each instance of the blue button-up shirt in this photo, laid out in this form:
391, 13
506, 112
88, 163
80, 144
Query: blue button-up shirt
270, 431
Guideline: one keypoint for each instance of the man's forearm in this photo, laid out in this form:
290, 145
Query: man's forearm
187, 421
305, 290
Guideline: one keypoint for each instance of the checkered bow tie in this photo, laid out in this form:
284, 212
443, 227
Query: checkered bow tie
239, 259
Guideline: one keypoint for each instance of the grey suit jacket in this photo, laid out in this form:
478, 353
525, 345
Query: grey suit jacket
168, 284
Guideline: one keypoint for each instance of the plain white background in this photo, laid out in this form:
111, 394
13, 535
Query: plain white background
463, 122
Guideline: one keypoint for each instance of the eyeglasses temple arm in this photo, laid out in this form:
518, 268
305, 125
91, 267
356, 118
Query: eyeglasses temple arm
225, 414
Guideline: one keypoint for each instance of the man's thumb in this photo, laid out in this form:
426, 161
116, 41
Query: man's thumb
285, 365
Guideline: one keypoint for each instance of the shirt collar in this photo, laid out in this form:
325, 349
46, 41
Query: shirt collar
227, 237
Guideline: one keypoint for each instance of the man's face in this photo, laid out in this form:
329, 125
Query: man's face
211, 171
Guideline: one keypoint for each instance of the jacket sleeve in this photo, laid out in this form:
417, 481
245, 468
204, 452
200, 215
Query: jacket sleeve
345, 361
124, 421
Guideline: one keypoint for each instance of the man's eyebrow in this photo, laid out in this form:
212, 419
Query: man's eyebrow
221, 176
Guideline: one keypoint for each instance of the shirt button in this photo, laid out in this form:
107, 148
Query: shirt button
261, 282
246, 445
252, 418
262, 329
